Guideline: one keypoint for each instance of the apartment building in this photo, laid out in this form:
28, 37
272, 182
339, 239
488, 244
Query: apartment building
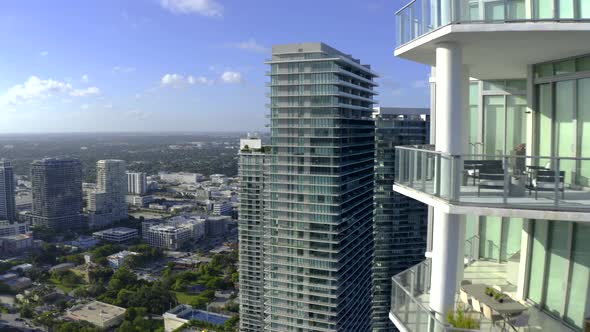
506, 180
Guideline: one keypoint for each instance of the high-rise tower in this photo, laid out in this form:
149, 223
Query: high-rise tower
252, 172
318, 228
107, 204
7, 195
57, 193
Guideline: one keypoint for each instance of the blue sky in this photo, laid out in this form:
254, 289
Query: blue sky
176, 65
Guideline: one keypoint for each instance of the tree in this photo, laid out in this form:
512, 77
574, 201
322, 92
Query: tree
26, 311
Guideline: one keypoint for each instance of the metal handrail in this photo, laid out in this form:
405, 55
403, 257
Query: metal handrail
498, 156
404, 7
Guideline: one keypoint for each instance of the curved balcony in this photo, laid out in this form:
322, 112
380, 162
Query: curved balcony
419, 17
538, 187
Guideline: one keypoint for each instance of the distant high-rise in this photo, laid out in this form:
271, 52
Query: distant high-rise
57, 193
318, 228
108, 204
136, 183
252, 170
400, 223
7, 192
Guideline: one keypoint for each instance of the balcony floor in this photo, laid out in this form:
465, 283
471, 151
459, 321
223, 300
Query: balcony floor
493, 273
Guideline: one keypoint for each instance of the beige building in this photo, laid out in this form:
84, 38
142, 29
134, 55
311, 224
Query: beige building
98, 313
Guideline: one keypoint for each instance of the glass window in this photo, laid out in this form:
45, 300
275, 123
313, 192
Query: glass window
494, 85
494, 127
543, 9
516, 10
584, 9
564, 126
511, 236
516, 85
494, 10
490, 237
584, 130
474, 117
544, 70
565, 67
580, 274
583, 64
545, 120
566, 8
516, 127
558, 263
537, 265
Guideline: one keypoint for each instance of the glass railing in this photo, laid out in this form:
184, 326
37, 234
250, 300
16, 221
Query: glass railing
409, 301
419, 17
508, 181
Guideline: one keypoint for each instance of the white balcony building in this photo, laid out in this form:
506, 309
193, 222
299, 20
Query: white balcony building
508, 177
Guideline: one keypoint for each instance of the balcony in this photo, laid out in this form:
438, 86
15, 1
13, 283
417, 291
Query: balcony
491, 31
419, 17
502, 185
410, 295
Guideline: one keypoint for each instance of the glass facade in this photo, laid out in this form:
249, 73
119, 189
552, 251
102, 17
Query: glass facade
560, 269
400, 223
318, 227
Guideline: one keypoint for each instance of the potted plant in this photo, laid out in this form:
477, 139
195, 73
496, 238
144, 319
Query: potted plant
460, 319
489, 291
499, 297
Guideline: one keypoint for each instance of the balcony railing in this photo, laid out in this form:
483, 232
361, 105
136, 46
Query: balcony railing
408, 292
419, 17
498, 181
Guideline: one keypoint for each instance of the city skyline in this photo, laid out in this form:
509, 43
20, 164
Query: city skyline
151, 65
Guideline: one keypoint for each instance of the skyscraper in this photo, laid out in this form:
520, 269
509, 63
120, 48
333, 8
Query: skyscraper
108, 204
318, 228
136, 183
507, 179
399, 223
57, 193
7, 192
252, 172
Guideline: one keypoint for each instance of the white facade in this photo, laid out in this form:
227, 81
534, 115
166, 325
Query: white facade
117, 234
137, 183
218, 178
117, 260
167, 236
181, 177
140, 201
108, 203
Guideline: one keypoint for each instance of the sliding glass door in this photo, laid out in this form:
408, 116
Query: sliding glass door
584, 131
565, 131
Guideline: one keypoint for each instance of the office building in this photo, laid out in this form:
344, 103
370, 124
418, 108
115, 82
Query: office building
181, 177
318, 233
222, 208
506, 180
252, 169
136, 183
57, 193
216, 226
108, 203
169, 237
7, 192
117, 234
399, 222
7, 228
218, 178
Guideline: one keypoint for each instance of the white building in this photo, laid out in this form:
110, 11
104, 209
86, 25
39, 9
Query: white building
195, 223
117, 234
181, 177
218, 178
108, 203
506, 180
117, 260
101, 314
7, 228
165, 236
137, 183
223, 208
140, 201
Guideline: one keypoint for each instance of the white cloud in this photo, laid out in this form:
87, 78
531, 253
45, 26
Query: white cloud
90, 91
44, 53
35, 88
231, 77
251, 45
179, 80
201, 7
84, 78
121, 69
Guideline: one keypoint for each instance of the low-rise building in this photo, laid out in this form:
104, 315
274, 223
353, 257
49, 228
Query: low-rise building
222, 208
218, 178
61, 267
117, 234
216, 225
165, 236
98, 313
181, 177
183, 313
8, 228
117, 260
139, 201
84, 242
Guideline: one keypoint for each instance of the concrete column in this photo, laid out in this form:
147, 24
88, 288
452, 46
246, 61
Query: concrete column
452, 84
447, 261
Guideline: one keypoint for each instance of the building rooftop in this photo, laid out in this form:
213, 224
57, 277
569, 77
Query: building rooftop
95, 312
117, 230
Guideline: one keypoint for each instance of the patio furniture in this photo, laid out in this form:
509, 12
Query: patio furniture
498, 288
464, 297
517, 321
489, 314
474, 167
465, 282
490, 178
478, 295
544, 180
476, 305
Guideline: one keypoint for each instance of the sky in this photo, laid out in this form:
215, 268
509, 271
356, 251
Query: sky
177, 65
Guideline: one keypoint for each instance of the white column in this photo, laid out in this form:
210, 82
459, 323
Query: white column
451, 137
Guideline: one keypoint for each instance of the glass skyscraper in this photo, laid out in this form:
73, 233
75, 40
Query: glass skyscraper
7, 191
318, 226
400, 223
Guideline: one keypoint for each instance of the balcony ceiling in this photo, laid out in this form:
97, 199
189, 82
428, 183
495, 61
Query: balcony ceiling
497, 51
